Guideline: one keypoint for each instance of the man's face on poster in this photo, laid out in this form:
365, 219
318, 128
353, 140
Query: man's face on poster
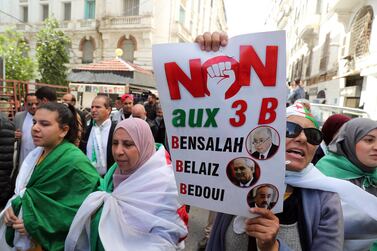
262, 140
263, 197
243, 171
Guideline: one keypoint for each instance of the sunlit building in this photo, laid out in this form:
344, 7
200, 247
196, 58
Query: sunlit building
98, 27
330, 48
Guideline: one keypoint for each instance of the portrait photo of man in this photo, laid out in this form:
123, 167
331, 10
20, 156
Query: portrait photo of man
243, 172
261, 143
263, 196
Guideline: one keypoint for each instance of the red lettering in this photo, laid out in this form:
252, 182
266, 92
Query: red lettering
179, 165
266, 73
182, 188
268, 106
240, 113
174, 142
193, 85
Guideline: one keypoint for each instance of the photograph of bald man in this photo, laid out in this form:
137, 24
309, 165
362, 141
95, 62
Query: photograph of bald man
261, 143
243, 172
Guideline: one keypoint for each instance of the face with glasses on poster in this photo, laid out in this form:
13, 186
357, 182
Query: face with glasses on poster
262, 143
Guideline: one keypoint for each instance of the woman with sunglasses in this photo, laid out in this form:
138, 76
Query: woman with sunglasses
311, 220
352, 156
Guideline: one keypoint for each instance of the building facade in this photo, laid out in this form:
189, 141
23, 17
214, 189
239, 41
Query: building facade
330, 48
98, 27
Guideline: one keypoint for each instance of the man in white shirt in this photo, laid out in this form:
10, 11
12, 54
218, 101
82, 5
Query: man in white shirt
97, 141
23, 123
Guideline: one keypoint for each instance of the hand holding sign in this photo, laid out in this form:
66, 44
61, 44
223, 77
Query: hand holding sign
221, 76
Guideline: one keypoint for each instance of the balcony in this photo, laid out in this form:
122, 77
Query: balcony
127, 22
308, 31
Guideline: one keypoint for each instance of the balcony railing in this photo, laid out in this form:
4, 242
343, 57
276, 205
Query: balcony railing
127, 21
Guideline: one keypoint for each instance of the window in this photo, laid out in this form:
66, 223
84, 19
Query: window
361, 31
90, 9
325, 54
182, 15
87, 52
44, 11
67, 11
128, 50
131, 7
25, 14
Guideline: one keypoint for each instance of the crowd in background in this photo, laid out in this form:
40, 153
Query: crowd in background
107, 183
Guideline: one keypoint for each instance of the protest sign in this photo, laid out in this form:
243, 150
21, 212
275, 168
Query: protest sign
225, 117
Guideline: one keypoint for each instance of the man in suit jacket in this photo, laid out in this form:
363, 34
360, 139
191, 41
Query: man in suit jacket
98, 137
243, 170
23, 123
262, 141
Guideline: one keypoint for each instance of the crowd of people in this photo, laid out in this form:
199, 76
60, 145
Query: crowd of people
108, 183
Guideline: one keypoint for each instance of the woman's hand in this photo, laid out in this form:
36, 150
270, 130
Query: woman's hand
9, 217
264, 228
212, 42
19, 227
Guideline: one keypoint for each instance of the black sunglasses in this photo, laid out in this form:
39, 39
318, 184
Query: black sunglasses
313, 135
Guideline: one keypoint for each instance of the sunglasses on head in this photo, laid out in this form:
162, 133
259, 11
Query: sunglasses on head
313, 135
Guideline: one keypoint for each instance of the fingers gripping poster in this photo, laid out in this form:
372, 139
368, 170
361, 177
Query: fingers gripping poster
225, 118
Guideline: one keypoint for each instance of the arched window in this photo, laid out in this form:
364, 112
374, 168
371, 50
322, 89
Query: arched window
87, 46
360, 32
128, 47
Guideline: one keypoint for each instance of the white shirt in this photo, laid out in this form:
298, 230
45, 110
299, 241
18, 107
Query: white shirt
265, 153
105, 130
27, 144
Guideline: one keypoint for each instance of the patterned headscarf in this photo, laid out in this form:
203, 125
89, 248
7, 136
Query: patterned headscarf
299, 109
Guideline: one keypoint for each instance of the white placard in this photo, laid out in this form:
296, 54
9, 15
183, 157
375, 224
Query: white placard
222, 111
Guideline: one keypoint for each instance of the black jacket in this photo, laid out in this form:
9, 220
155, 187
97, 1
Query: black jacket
7, 140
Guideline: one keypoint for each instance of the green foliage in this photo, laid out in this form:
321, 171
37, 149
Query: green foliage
52, 53
18, 64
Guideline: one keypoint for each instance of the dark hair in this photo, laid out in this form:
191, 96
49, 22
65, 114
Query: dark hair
73, 98
107, 100
47, 93
29, 95
66, 116
152, 95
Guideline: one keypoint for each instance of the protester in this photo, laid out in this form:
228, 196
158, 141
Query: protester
23, 122
70, 99
126, 111
6, 158
151, 106
46, 94
158, 126
136, 207
54, 180
118, 104
352, 156
329, 129
311, 219
97, 140
297, 91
